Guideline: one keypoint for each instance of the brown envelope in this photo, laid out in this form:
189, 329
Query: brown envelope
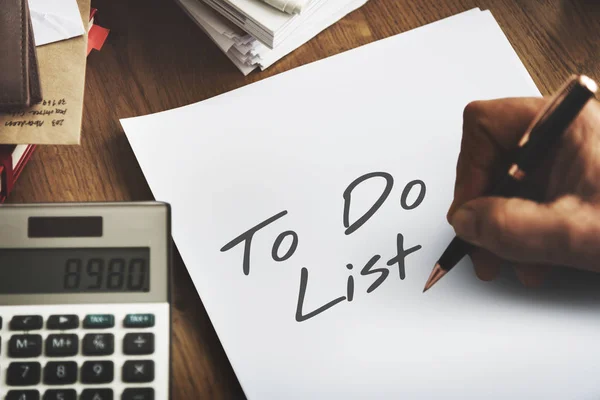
57, 119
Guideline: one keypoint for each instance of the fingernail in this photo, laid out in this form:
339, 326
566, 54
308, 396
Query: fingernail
463, 222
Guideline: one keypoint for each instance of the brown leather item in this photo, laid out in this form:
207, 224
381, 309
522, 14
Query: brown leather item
19, 77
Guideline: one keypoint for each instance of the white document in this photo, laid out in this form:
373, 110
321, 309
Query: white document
248, 57
261, 20
205, 18
328, 15
288, 6
55, 20
211, 18
327, 307
225, 45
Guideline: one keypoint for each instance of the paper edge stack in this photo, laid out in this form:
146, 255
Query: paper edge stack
249, 53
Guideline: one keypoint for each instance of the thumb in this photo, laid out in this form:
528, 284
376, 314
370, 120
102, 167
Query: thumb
558, 233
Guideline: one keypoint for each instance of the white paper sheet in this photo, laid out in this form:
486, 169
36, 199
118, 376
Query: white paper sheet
55, 20
394, 106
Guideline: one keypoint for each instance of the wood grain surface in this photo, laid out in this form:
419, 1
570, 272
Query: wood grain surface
156, 59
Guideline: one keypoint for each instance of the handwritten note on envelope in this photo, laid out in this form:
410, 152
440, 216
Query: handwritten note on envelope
309, 236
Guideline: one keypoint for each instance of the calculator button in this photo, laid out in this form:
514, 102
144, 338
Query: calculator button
62, 345
138, 394
97, 321
23, 395
138, 343
60, 373
60, 394
138, 371
139, 321
26, 322
98, 344
23, 373
97, 372
62, 322
96, 394
25, 346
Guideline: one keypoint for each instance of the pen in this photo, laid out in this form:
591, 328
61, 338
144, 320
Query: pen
543, 133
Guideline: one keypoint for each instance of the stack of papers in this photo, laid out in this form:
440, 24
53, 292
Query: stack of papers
308, 309
249, 51
262, 20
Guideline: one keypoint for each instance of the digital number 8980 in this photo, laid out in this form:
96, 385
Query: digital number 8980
118, 273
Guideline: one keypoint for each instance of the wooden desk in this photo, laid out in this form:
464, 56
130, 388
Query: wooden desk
156, 59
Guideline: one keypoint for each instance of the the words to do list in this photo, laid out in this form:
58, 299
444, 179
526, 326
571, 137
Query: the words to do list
412, 195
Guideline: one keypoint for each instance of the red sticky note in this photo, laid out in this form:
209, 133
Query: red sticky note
96, 38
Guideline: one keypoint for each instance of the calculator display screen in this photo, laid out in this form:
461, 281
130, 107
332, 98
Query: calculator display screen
74, 270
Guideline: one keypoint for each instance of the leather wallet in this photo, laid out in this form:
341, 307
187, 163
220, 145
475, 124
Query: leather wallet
19, 77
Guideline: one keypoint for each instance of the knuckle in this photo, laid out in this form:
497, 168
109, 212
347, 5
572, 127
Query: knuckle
472, 115
475, 118
503, 232
473, 111
476, 149
499, 229
558, 245
567, 204
562, 240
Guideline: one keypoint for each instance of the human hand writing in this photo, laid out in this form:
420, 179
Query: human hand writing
560, 228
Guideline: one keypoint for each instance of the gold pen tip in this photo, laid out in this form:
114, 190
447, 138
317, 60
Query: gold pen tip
435, 276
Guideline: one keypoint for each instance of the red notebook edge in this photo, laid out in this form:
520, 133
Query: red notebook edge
21, 163
11, 169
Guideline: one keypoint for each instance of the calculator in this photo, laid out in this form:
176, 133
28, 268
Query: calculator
85, 301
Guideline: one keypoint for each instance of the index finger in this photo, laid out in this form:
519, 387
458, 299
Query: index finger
491, 128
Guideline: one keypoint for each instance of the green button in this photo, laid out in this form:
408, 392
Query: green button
99, 321
139, 320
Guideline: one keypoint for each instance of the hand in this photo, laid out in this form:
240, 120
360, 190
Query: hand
562, 227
